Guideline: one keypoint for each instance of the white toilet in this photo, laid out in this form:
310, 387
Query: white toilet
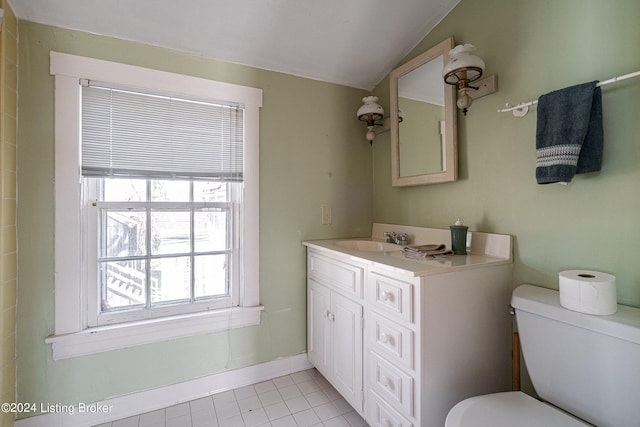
586, 368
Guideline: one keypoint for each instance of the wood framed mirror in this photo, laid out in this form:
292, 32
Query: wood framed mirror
424, 143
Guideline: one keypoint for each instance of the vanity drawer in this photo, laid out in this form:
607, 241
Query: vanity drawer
394, 385
391, 340
343, 277
380, 414
391, 296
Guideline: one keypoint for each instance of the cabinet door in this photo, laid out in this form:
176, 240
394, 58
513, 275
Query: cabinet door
319, 326
347, 363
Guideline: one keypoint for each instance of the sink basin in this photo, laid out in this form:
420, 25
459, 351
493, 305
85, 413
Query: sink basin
368, 246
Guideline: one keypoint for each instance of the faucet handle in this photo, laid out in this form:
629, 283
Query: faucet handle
402, 239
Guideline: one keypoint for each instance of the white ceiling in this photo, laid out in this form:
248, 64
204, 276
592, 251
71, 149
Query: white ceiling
351, 42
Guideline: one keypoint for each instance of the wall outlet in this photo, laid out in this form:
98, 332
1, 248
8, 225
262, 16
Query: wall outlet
326, 215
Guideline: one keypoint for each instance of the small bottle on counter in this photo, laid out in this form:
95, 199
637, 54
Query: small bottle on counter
459, 238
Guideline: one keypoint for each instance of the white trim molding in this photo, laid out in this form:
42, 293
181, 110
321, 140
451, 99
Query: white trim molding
90, 414
63, 64
123, 335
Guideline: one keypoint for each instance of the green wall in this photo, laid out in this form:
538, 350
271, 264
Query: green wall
311, 154
536, 47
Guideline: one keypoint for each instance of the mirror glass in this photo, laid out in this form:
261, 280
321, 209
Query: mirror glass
421, 136
424, 142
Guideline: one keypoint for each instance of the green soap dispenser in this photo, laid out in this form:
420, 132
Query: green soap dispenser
459, 238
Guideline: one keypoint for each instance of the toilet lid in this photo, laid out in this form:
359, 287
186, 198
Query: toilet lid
511, 409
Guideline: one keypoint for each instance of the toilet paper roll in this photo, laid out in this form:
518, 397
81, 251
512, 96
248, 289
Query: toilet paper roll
590, 292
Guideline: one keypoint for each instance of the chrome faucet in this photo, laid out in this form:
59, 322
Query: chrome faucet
398, 239
390, 235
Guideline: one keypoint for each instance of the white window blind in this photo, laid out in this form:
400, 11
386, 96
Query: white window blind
135, 134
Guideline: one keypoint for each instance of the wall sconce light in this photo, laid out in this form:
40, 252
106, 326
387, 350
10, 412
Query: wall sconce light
463, 69
371, 112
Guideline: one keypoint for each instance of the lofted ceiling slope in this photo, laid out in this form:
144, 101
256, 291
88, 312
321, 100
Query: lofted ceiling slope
349, 42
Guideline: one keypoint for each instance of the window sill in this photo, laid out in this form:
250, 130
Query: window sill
113, 337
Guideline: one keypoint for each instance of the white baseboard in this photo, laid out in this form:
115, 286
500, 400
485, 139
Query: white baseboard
91, 414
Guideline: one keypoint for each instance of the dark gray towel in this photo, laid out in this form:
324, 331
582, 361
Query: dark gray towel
569, 134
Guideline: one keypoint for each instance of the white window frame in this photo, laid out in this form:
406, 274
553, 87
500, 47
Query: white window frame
72, 336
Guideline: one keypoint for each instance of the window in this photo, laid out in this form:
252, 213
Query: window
166, 245
161, 237
163, 247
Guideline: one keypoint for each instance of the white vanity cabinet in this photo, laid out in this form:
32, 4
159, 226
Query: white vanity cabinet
335, 323
433, 341
435, 331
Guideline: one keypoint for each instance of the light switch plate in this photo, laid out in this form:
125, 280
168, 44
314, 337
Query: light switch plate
326, 215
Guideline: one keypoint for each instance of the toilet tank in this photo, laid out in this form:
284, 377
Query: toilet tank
584, 364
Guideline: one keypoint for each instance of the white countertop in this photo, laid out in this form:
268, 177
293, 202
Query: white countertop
396, 261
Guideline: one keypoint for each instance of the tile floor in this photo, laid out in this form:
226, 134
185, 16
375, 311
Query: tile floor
302, 399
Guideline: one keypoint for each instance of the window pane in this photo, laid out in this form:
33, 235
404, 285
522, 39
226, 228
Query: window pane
209, 191
171, 240
170, 232
170, 279
124, 233
210, 230
125, 190
169, 191
122, 284
211, 275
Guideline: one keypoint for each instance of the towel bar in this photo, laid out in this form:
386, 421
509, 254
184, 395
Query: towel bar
521, 109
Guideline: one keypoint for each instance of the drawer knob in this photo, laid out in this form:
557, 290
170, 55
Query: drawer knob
386, 382
386, 339
386, 296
